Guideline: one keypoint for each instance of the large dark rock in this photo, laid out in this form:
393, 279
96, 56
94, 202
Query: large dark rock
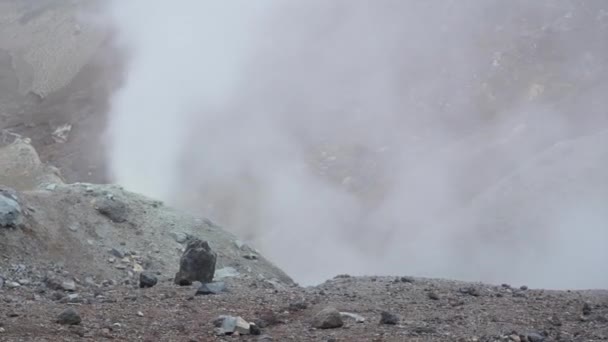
196, 264
10, 210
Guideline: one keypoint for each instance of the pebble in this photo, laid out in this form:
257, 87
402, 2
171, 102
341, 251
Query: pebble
24, 281
140, 314
388, 318
68, 285
12, 284
69, 317
147, 280
433, 295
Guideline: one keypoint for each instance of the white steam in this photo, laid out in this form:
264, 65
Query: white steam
385, 137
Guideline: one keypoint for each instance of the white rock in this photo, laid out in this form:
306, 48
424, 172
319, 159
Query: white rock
68, 285
12, 284
242, 326
140, 314
225, 272
357, 318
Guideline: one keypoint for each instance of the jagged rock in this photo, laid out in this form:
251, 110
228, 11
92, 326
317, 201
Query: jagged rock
10, 211
117, 253
211, 288
69, 317
196, 264
147, 279
388, 318
328, 318
254, 329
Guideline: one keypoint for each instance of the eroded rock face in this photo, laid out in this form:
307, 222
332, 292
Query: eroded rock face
196, 264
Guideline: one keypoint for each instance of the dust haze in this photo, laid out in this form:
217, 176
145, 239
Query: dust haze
427, 138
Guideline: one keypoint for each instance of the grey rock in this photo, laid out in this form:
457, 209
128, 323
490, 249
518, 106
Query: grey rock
117, 253
389, 318
265, 338
357, 318
12, 284
24, 282
535, 337
196, 264
69, 317
471, 291
68, 285
211, 288
10, 211
179, 237
147, 279
433, 295
328, 318
114, 209
407, 279
228, 325
1, 282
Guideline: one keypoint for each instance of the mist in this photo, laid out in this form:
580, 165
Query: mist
428, 138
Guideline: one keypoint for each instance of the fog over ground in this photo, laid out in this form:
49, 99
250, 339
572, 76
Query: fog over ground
430, 138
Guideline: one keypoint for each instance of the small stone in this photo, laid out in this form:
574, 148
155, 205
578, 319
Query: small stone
2, 330
535, 337
211, 288
111, 260
147, 279
51, 187
407, 280
24, 281
515, 338
137, 268
587, 309
328, 318
250, 256
73, 227
117, 253
298, 306
265, 338
388, 318
471, 291
433, 295
140, 314
12, 284
69, 317
179, 237
68, 285
523, 288
254, 329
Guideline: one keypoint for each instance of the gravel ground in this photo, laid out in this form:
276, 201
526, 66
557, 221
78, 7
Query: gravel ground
424, 309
